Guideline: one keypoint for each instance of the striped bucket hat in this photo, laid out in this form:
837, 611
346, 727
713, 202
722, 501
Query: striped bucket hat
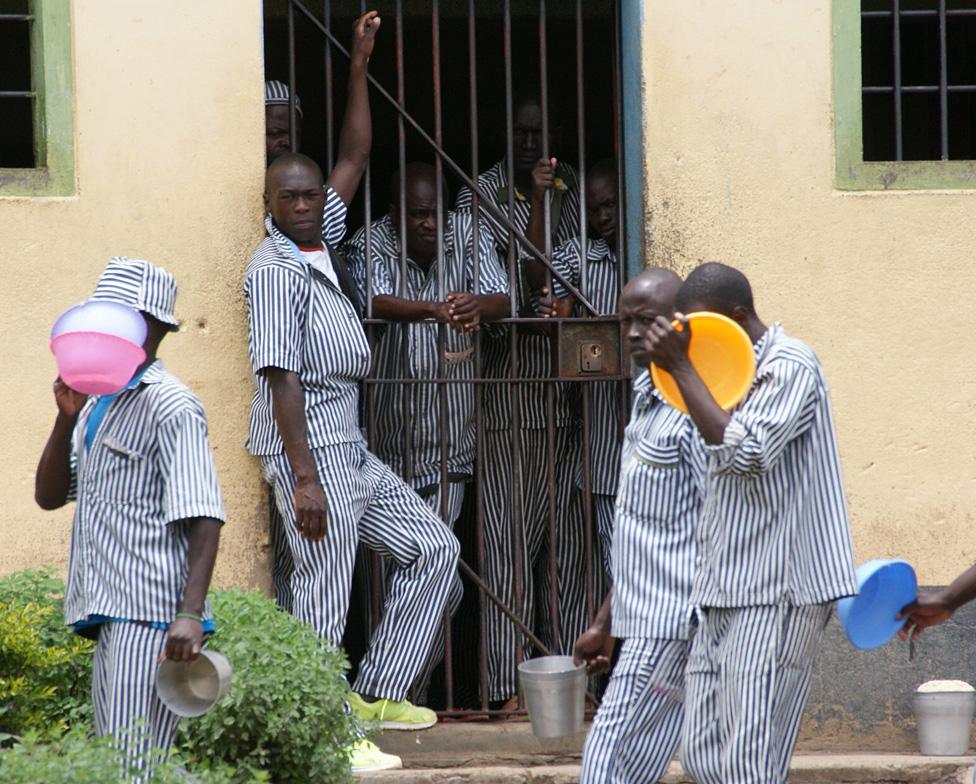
276, 94
140, 285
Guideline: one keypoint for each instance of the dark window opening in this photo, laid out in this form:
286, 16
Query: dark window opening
16, 90
918, 76
561, 38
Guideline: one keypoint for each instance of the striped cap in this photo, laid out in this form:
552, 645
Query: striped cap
140, 285
276, 94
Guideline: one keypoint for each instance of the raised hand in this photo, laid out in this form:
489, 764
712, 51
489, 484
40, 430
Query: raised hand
667, 345
364, 31
68, 400
543, 178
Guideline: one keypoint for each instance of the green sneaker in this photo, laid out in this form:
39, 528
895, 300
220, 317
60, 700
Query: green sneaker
366, 757
392, 715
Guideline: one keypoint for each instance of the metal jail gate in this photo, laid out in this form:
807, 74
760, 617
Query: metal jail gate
443, 81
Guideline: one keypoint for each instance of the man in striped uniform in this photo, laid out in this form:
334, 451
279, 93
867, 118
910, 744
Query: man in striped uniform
419, 295
146, 524
776, 542
523, 409
309, 355
598, 279
638, 726
277, 119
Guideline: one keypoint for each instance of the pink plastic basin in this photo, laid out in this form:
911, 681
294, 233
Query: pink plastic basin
94, 363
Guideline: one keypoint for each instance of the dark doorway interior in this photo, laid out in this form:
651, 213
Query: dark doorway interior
599, 130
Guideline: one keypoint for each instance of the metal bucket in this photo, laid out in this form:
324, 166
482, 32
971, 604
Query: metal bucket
944, 720
190, 689
554, 689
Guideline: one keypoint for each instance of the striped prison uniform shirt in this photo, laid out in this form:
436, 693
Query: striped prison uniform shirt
311, 330
533, 352
300, 321
774, 523
638, 726
658, 504
411, 350
149, 467
602, 289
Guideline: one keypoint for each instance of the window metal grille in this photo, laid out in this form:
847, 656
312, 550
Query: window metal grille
424, 130
17, 96
918, 79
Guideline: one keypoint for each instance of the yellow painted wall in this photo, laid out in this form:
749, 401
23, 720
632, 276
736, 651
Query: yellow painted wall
740, 164
169, 127
740, 168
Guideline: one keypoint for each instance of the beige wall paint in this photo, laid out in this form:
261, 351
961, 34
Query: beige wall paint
740, 166
169, 153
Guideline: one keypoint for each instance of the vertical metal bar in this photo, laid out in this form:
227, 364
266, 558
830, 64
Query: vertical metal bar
624, 264
515, 388
329, 106
943, 81
367, 215
479, 502
581, 147
374, 559
292, 109
589, 578
588, 565
896, 49
549, 388
435, 31
406, 330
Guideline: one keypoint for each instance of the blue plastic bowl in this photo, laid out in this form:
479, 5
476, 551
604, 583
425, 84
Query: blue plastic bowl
884, 588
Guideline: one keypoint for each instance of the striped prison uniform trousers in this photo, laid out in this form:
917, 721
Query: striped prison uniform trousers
746, 683
603, 506
124, 690
455, 500
638, 726
368, 503
500, 552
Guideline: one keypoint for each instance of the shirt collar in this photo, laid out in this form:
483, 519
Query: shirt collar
598, 250
767, 341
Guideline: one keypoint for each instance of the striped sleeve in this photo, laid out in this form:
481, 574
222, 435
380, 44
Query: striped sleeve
491, 278
463, 201
275, 298
566, 261
73, 467
780, 408
333, 218
354, 253
189, 478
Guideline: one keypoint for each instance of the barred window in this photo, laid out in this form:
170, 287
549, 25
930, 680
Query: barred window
16, 88
918, 80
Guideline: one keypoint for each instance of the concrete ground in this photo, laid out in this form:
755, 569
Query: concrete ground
508, 753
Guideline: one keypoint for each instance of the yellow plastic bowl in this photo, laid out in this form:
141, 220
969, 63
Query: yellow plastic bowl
722, 354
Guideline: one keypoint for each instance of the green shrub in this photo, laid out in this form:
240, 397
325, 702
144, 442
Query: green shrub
45, 669
284, 712
74, 758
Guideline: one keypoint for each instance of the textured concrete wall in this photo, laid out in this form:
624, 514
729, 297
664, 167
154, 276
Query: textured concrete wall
740, 168
169, 128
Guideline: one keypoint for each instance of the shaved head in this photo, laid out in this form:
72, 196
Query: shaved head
648, 295
716, 287
295, 197
656, 283
417, 172
289, 162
